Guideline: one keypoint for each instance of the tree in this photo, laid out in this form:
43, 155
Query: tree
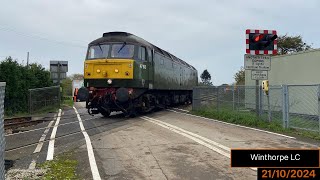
206, 78
239, 77
290, 44
76, 76
66, 85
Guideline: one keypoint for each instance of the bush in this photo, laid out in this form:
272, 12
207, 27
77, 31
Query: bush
19, 79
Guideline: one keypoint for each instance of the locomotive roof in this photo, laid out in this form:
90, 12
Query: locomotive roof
131, 38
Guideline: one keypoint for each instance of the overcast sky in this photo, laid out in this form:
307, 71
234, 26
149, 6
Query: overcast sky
205, 33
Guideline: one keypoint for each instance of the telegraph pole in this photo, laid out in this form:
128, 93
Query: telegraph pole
28, 60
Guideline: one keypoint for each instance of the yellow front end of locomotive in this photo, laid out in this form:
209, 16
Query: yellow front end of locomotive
106, 68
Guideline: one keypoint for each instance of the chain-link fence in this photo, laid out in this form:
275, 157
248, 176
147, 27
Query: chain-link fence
2, 140
294, 106
44, 99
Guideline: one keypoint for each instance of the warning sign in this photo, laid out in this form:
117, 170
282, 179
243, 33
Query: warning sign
257, 62
259, 75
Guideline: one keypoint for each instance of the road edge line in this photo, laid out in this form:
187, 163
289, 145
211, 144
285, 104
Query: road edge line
52, 138
202, 142
92, 160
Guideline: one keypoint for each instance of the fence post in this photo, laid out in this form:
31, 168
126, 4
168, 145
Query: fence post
238, 105
30, 102
2, 136
319, 108
218, 98
260, 101
285, 106
59, 95
233, 99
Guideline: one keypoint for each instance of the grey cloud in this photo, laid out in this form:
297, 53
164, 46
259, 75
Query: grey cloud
207, 34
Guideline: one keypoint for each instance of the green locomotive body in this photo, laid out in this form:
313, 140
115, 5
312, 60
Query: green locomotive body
123, 72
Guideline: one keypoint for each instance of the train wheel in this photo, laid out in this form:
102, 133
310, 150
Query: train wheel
105, 114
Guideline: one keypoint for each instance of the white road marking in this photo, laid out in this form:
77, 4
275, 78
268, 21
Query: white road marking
32, 165
92, 160
193, 134
43, 137
181, 109
52, 138
194, 137
40, 144
235, 125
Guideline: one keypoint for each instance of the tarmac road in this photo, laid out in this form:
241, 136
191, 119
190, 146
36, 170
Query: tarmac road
174, 145
168, 144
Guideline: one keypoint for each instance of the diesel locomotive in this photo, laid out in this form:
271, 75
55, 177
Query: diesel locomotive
124, 72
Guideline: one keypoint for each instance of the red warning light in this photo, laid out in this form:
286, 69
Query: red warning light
258, 38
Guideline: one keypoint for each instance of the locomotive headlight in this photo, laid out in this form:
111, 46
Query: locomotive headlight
116, 70
109, 81
98, 71
130, 65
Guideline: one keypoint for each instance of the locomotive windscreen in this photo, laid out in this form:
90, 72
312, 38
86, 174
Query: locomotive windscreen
122, 51
117, 51
98, 51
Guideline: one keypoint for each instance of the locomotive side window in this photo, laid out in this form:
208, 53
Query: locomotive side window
122, 50
98, 51
142, 53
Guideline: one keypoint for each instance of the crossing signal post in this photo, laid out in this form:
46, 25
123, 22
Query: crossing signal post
263, 43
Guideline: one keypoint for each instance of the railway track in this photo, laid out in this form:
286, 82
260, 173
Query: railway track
14, 123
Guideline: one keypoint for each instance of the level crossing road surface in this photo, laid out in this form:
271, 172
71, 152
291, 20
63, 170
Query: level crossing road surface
167, 144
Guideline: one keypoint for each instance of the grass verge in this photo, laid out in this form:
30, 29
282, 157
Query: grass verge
250, 119
67, 101
62, 167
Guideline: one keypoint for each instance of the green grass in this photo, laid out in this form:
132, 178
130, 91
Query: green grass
68, 101
21, 114
250, 119
61, 168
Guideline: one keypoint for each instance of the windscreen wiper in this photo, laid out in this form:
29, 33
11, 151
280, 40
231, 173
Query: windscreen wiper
100, 48
124, 44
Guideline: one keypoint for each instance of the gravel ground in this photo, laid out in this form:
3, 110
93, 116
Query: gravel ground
17, 174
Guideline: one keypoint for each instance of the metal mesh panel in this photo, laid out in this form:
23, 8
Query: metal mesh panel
44, 99
294, 106
204, 97
303, 107
271, 104
2, 140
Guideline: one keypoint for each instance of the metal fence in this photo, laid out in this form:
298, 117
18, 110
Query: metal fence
2, 139
44, 99
292, 106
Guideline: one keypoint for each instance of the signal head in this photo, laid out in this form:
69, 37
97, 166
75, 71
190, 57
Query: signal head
262, 41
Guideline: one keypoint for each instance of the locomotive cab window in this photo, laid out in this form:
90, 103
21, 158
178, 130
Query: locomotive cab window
142, 53
122, 50
98, 51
